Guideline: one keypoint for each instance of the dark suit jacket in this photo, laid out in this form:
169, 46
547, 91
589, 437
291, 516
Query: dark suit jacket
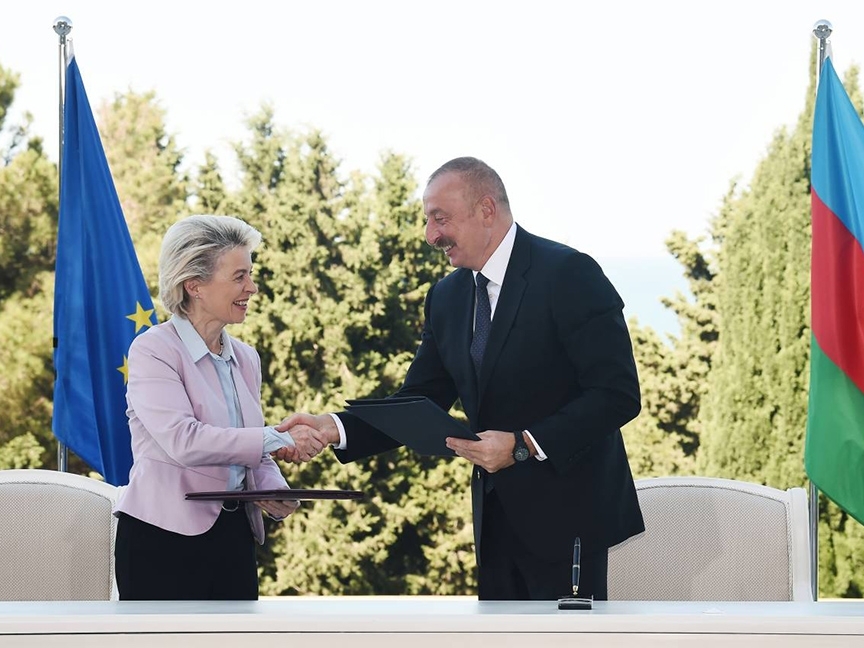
559, 363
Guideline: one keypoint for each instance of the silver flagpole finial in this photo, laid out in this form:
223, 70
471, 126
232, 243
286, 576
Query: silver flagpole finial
62, 26
822, 29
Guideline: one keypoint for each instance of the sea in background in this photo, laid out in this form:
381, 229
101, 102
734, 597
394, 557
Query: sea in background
642, 282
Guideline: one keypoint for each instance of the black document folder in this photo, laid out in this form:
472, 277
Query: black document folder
414, 421
281, 494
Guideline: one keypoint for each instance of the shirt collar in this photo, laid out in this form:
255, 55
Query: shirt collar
195, 344
496, 266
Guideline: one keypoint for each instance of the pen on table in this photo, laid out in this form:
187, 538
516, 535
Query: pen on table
577, 548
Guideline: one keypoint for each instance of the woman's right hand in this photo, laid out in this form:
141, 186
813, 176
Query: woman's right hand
311, 434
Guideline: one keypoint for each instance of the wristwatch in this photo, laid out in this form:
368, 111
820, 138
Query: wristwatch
520, 450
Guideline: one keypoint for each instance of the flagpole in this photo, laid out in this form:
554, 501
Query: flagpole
821, 32
62, 27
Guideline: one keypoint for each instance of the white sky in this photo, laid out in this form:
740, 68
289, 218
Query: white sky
611, 123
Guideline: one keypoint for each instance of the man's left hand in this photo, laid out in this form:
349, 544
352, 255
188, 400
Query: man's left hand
494, 450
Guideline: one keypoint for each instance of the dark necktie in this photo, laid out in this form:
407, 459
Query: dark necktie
482, 322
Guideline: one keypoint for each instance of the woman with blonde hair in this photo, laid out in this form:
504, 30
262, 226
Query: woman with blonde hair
194, 407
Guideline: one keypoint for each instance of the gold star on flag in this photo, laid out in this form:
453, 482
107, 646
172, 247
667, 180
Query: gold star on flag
124, 369
141, 317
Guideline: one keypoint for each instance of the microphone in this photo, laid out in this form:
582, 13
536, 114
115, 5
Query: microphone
573, 602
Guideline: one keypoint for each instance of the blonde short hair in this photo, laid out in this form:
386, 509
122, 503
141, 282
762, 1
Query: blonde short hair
190, 250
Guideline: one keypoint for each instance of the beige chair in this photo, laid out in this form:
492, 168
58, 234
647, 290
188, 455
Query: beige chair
712, 539
56, 537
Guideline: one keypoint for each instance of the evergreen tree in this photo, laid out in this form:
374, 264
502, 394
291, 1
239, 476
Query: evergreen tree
652, 450
755, 413
9, 81
145, 163
755, 409
664, 438
209, 188
342, 274
28, 222
28, 200
27, 379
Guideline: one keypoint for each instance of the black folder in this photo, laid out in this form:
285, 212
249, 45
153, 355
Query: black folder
280, 494
414, 421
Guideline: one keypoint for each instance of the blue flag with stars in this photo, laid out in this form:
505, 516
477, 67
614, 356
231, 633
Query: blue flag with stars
101, 301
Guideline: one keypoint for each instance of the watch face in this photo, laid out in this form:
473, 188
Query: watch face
521, 454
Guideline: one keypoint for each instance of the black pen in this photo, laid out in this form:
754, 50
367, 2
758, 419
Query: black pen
577, 549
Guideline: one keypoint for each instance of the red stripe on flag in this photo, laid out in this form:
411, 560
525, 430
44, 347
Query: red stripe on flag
837, 292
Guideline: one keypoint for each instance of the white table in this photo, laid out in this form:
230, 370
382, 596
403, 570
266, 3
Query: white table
422, 622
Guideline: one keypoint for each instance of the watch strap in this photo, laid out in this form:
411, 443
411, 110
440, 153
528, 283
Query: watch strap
520, 449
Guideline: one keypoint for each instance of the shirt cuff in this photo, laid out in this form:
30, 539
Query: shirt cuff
343, 441
274, 440
540, 456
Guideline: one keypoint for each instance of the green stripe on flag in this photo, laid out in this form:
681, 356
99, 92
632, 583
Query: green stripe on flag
834, 449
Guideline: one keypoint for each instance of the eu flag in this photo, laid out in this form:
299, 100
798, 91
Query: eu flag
101, 301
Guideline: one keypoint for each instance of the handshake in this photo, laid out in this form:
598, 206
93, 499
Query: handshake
310, 435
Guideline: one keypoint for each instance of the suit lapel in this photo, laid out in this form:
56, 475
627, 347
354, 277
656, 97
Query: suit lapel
507, 306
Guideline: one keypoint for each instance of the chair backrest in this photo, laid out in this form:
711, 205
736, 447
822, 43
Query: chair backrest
710, 539
56, 537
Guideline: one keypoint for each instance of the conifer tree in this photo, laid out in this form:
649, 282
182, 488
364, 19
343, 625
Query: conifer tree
209, 187
664, 438
28, 222
342, 274
755, 411
756, 407
145, 163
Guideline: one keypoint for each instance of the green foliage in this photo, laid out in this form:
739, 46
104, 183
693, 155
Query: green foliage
664, 439
694, 350
342, 273
654, 448
27, 379
28, 221
411, 535
8, 84
841, 561
209, 188
22, 451
731, 392
145, 163
755, 410
13, 137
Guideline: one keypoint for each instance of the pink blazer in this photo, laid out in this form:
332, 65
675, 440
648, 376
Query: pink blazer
181, 439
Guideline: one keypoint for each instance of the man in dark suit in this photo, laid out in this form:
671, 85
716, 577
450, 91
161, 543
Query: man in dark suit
537, 350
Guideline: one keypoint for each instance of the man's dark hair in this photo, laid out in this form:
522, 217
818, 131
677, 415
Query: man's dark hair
479, 175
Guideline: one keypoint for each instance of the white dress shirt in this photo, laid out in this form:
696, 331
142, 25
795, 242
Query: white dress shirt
494, 270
